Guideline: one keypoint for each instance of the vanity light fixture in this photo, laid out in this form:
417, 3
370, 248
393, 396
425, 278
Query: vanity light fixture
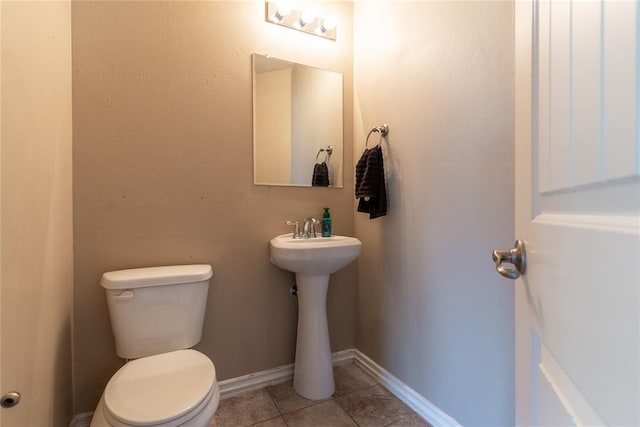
302, 20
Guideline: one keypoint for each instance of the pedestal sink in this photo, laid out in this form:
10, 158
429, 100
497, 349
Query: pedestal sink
313, 260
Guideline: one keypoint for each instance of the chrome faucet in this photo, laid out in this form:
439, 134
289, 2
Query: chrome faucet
309, 228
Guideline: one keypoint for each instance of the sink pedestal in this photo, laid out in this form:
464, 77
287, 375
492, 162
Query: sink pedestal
313, 371
313, 260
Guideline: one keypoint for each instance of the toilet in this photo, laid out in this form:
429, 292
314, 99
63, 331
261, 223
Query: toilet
157, 314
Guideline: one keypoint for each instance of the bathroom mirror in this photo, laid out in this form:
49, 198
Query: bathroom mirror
297, 123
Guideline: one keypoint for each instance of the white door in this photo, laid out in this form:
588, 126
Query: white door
577, 209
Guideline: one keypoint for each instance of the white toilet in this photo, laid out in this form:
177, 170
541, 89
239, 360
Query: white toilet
157, 315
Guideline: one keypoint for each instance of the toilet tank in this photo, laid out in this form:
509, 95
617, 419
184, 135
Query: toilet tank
156, 309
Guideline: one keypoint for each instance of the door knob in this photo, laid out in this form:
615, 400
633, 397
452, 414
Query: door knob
10, 399
516, 257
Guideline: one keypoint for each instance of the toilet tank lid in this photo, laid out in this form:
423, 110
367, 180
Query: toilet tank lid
156, 276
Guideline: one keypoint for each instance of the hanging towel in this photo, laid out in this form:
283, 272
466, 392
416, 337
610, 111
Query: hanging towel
370, 186
320, 175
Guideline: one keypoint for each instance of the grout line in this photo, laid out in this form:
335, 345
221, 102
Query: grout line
345, 411
315, 403
268, 419
266, 388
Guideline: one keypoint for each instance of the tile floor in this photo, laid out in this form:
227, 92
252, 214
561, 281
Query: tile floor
358, 401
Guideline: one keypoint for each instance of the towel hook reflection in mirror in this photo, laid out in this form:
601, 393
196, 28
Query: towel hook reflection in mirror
382, 130
328, 150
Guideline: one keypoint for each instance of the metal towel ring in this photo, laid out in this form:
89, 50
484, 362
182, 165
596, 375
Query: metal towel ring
382, 130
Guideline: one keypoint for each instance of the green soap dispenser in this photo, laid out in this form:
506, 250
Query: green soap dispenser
326, 223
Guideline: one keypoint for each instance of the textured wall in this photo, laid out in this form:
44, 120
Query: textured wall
37, 266
432, 309
163, 174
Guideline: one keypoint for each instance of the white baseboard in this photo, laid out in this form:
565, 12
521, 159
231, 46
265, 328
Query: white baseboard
423, 407
406, 394
258, 380
82, 419
343, 356
255, 381
234, 386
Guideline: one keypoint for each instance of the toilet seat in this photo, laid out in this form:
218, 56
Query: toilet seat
162, 390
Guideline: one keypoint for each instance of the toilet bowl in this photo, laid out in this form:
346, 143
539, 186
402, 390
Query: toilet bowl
171, 389
157, 314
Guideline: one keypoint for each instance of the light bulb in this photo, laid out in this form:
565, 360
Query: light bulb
306, 17
326, 24
282, 11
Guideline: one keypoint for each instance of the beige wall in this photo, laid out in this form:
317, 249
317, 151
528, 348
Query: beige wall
36, 226
163, 174
432, 309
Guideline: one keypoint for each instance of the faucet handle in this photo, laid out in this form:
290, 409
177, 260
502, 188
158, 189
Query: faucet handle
296, 230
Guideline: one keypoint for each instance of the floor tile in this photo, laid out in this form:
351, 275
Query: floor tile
376, 407
286, 398
245, 410
349, 378
325, 414
273, 422
412, 420
358, 401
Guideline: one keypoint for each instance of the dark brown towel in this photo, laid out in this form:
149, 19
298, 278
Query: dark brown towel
370, 185
320, 175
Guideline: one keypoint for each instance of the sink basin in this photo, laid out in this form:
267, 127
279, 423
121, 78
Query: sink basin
313, 260
319, 255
